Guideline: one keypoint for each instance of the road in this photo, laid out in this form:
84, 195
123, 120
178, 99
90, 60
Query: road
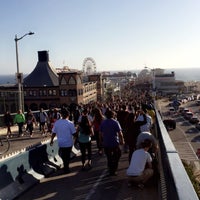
186, 138
25, 142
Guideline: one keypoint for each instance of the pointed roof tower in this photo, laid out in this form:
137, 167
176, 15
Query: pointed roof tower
43, 74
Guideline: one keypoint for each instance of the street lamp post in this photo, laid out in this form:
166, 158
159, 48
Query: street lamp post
19, 75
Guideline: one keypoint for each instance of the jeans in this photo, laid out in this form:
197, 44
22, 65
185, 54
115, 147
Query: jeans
20, 126
113, 155
65, 154
83, 147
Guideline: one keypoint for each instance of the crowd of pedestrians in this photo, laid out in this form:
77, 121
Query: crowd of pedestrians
120, 126
43, 121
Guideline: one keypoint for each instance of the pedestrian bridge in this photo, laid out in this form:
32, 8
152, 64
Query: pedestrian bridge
22, 171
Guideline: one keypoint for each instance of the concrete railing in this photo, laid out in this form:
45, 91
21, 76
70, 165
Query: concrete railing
175, 182
25, 169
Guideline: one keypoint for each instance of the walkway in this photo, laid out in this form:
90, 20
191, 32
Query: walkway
91, 184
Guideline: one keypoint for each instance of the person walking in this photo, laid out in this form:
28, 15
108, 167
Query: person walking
140, 169
97, 119
122, 116
84, 139
43, 117
131, 132
64, 129
112, 138
76, 115
30, 121
19, 119
148, 125
8, 121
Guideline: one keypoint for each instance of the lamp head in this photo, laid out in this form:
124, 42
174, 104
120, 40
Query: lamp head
31, 33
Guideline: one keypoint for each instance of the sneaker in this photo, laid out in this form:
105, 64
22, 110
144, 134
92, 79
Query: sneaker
83, 167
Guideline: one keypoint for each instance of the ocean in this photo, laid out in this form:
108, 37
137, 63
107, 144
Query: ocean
182, 74
186, 74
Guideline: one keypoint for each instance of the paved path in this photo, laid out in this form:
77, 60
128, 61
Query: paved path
91, 184
18, 144
88, 185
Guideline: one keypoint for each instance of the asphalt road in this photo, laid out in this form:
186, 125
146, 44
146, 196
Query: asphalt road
186, 138
18, 144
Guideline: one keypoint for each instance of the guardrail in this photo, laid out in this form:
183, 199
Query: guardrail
175, 183
25, 169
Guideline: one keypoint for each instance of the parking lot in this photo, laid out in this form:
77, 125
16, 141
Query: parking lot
186, 137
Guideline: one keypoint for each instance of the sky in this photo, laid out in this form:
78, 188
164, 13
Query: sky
117, 34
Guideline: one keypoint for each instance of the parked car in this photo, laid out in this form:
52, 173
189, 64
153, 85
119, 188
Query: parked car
188, 115
170, 124
171, 110
194, 120
198, 102
185, 110
198, 125
181, 109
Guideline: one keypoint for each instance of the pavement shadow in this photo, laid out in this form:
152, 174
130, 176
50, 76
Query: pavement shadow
192, 130
39, 161
196, 139
5, 176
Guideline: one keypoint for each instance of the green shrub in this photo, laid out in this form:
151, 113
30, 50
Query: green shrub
190, 173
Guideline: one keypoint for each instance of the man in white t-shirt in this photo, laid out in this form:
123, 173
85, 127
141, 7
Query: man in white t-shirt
64, 129
140, 168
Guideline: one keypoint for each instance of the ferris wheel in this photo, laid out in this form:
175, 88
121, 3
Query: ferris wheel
89, 66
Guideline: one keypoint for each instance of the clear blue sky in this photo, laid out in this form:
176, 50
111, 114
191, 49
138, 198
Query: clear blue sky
117, 34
